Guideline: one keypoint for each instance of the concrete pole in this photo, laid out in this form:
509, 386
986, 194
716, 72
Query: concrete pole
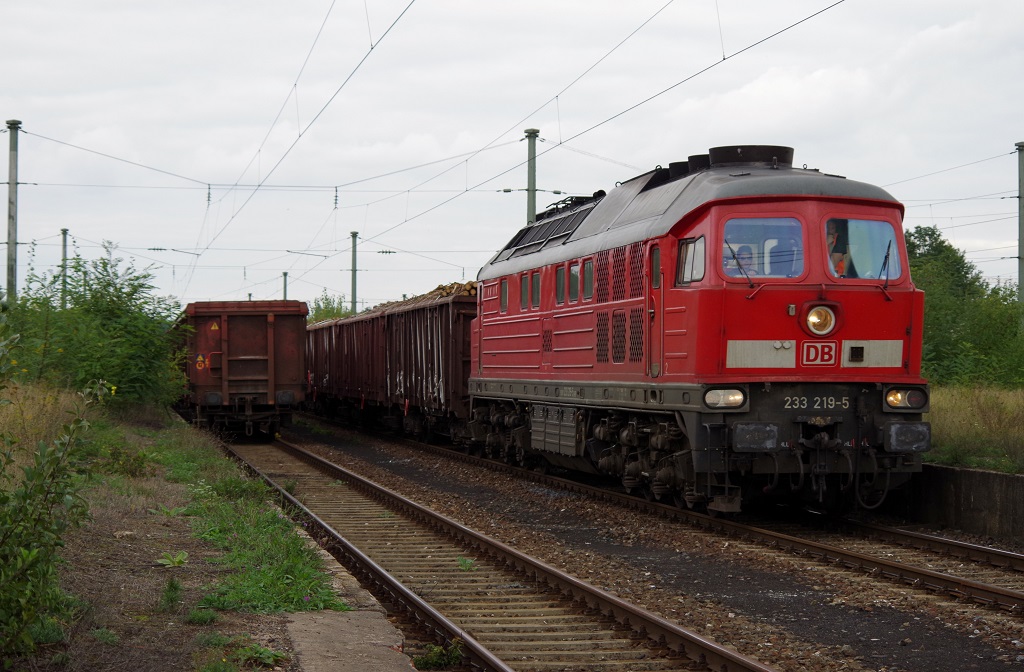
13, 126
531, 175
1020, 222
63, 269
354, 235
286, 285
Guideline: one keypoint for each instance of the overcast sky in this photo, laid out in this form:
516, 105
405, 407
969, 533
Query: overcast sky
225, 143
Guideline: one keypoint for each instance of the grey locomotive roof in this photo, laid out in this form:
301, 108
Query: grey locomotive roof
632, 212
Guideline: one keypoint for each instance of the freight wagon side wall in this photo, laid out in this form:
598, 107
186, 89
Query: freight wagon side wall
289, 359
413, 356
428, 355
359, 367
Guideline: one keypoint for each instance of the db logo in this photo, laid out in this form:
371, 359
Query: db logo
820, 353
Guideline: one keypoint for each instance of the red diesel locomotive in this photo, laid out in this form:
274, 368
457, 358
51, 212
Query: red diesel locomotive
728, 327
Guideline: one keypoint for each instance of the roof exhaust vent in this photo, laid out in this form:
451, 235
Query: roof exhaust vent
699, 162
772, 156
678, 169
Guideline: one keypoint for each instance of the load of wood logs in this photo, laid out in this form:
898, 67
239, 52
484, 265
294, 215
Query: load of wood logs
439, 292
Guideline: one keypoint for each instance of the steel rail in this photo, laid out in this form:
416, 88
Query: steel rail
919, 577
926, 542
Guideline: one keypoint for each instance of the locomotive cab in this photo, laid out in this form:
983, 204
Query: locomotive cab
820, 328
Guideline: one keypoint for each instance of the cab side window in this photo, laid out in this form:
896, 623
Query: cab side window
524, 291
560, 285
655, 267
504, 295
690, 266
574, 282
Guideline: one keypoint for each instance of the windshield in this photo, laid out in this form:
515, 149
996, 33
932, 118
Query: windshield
862, 248
761, 247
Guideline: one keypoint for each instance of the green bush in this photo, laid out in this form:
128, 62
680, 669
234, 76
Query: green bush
101, 321
37, 507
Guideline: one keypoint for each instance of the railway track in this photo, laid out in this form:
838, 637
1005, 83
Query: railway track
984, 575
510, 611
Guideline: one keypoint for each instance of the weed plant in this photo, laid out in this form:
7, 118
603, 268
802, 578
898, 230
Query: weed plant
214, 640
169, 559
105, 636
232, 654
201, 617
254, 655
170, 598
440, 657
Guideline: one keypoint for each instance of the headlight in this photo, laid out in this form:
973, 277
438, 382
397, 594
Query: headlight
724, 398
821, 320
912, 398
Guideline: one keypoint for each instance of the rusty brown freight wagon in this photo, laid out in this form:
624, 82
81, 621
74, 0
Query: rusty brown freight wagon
403, 364
245, 363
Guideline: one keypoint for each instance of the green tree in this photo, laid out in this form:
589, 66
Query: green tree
972, 331
103, 323
327, 307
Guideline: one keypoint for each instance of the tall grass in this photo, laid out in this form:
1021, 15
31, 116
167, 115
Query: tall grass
37, 412
978, 427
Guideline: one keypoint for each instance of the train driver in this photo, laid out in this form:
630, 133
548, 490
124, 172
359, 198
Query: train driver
744, 262
836, 242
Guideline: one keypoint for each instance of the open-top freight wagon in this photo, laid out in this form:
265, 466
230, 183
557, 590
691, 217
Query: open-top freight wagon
245, 364
405, 364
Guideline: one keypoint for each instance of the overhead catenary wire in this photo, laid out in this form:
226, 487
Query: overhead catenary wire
315, 118
626, 110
